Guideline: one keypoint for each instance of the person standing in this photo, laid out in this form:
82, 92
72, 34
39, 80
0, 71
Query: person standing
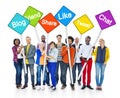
52, 63
29, 58
85, 49
102, 56
59, 58
18, 61
65, 62
77, 64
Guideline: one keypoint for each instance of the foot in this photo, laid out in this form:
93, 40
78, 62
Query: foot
25, 86
98, 88
79, 83
33, 87
53, 88
63, 87
43, 87
88, 86
83, 87
72, 87
18, 86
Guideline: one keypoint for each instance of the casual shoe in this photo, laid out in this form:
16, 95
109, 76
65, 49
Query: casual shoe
63, 87
88, 86
25, 86
43, 87
50, 87
83, 87
53, 88
99, 88
73, 87
33, 87
79, 83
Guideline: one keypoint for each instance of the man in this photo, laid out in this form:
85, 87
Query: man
102, 56
59, 58
65, 63
84, 52
29, 58
77, 61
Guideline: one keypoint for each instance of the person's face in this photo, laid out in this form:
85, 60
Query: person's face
59, 38
52, 46
69, 41
76, 40
43, 38
28, 40
101, 42
17, 42
87, 40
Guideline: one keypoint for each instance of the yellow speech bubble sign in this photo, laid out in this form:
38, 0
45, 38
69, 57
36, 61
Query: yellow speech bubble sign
83, 24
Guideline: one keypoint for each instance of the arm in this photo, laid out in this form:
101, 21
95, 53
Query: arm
64, 50
14, 51
107, 56
72, 52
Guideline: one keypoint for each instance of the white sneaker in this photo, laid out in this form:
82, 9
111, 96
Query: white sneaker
53, 88
38, 87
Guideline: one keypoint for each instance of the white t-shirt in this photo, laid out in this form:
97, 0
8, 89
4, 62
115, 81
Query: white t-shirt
20, 56
85, 51
77, 57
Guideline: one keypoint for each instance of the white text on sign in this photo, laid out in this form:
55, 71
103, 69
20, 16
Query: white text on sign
50, 23
104, 19
31, 17
83, 24
18, 23
64, 16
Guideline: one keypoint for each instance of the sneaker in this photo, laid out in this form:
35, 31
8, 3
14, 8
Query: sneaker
99, 88
63, 87
25, 86
38, 87
83, 87
53, 88
88, 86
43, 87
79, 83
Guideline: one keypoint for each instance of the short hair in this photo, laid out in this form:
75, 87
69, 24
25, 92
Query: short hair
52, 42
28, 37
15, 40
88, 37
43, 36
59, 35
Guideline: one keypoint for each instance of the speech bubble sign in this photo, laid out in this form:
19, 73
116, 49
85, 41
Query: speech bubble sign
83, 24
18, 23
49, 22
64, 15
105, 19
33, 15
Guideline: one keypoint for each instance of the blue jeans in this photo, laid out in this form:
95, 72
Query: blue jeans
52, 70
18, 67
79, 66
38, 77
100, 68
31, 68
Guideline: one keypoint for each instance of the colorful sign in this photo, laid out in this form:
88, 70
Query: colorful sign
105, 19
64, 15
18, 23
49, 22
33, 15
83, 24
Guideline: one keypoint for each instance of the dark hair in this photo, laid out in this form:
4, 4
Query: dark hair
52, 42
88, 37
59, 35
71, 38
15, 40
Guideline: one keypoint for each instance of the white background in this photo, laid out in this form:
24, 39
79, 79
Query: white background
8, 8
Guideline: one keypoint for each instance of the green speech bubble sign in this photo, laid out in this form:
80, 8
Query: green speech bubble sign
33, 15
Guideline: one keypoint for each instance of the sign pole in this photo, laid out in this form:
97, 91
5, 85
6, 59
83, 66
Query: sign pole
25, 70
71, 75
37, 34
85, 64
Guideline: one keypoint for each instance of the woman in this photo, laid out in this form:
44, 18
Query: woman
40, 63
18, 61
102, 56
52, 63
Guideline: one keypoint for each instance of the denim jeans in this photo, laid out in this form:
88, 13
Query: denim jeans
38, 75
79, 66
59, 63
31, 68
18, 67
100, 68
52, 70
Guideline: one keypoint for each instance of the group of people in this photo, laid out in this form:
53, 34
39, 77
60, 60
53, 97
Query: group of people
53, 59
